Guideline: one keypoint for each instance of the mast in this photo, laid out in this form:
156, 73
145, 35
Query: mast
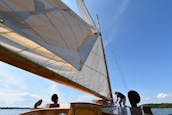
108, 78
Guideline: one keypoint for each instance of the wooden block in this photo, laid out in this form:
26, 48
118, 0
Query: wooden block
85, 109
52, 105
136, 111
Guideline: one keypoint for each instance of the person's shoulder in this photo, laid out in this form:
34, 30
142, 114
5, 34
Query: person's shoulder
120, 93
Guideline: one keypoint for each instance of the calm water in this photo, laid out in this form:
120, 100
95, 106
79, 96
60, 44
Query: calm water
12, 111
17, 111
165, 111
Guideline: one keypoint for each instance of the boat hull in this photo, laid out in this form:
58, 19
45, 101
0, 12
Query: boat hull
47, 111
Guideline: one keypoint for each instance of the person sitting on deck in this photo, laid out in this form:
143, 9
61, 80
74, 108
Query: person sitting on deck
121, 98
134, 98
38, 103
54, 99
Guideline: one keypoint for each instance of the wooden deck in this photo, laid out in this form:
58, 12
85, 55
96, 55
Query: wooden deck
47, 111
90, 109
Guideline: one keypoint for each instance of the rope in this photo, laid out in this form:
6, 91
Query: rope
121, 74
116, 61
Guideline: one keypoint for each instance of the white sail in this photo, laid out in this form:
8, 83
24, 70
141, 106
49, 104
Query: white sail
55, 39
84, 12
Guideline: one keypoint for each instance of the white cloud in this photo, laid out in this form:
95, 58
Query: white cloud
54, 88
146, 100
17, 91
159, 98
16, 98
163, 96
9, 79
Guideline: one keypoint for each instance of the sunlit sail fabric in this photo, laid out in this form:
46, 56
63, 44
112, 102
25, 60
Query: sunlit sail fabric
84, 12
50, 23
51, 35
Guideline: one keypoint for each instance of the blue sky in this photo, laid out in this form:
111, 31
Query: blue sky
137, 35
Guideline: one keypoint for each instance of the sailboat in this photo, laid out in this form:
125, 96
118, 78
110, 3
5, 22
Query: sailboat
47, 38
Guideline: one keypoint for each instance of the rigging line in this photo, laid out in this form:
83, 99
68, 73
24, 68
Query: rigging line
121, 73
116, 61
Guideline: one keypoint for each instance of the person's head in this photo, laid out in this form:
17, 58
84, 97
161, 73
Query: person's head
116, 92
54, 98
134, 98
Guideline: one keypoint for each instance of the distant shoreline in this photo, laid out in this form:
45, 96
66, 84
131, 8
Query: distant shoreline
15, 108
161, 105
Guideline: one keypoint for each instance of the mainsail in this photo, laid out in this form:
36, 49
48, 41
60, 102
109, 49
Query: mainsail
47, 38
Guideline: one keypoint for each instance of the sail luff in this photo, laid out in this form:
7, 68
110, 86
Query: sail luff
108, 78
104, 55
